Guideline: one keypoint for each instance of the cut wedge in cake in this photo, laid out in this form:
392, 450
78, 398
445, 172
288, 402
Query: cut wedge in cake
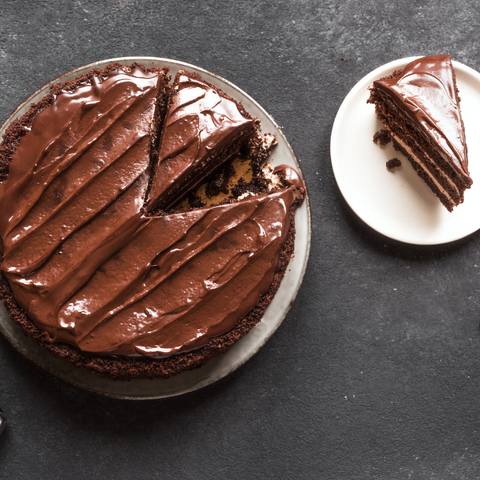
420, 108
203, 128
92, 269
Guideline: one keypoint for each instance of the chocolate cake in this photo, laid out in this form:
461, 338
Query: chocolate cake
419, 107
92, 268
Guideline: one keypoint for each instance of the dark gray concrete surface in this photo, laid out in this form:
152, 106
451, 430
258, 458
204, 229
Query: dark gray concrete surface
375, 372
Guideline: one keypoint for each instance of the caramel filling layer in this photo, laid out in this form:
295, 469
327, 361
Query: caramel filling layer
426, 170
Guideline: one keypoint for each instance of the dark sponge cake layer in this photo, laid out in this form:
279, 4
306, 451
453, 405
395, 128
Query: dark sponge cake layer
59, 342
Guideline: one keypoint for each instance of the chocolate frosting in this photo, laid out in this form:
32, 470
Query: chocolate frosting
200, 121
181, 279
290, 177
426, 91
85, 263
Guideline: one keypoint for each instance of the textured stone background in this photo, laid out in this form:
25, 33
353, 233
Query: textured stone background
375, 372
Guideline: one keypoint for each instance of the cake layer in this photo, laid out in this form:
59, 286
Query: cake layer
424, 167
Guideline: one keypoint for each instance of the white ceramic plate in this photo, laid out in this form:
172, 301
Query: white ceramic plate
399, 204
241, 351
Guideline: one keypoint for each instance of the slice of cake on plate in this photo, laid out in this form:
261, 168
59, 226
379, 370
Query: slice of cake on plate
420, 108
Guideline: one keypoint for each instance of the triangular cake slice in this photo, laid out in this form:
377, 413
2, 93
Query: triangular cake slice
203, 127
89, 136
419, 107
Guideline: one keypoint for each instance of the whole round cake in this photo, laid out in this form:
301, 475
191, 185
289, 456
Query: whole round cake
100, 265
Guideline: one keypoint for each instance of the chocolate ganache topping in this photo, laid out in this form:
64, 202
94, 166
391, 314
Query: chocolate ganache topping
180, 280
84, 261
200, 123
425, 90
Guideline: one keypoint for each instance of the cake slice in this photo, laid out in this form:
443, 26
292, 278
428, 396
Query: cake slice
203, 128
93, 133
419, 107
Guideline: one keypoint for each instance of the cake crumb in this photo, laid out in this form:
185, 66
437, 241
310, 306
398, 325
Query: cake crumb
382, 137
219, 181
393, 163
195, 201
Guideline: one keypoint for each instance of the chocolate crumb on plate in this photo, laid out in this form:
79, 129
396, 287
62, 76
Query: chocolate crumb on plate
393, 163
382, 137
